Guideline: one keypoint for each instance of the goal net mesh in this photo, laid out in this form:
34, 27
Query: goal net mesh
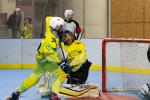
125, 65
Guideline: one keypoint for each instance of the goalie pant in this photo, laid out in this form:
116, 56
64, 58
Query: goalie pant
80, 76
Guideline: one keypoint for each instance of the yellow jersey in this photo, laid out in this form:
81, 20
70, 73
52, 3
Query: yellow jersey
76, 54
48, 49
47, 24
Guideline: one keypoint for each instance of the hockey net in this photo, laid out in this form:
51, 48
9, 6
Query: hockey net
125, 66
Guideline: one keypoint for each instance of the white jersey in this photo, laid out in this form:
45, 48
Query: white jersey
71, 26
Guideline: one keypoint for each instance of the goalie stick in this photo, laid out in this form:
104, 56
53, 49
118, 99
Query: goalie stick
63, 55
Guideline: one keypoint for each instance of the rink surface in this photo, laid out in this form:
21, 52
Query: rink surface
9, 79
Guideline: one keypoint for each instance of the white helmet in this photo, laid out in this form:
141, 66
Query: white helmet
56, 22
68, 13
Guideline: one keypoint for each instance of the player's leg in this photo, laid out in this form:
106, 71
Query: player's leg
47, 78
46, 81
58, 80
28, 82
51, 67
43, 88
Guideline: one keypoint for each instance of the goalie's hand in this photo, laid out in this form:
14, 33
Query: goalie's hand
65, 66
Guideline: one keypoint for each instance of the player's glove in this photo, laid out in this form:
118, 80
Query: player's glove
62, 62
65, 66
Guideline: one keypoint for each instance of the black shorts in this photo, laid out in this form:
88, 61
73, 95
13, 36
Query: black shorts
80, 76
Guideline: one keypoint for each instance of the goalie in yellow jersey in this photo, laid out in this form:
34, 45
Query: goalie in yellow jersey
48, 58
77, 59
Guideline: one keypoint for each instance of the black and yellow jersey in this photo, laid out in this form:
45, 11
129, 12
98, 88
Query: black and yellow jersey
76, 54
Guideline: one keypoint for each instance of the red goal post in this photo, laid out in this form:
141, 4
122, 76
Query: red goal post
125, 59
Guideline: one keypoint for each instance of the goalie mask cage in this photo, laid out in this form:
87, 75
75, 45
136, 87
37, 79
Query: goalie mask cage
125, 66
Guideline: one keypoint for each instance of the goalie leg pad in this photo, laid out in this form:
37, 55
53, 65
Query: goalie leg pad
83, 90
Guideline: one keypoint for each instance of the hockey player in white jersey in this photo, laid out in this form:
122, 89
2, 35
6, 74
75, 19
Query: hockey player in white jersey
70, 24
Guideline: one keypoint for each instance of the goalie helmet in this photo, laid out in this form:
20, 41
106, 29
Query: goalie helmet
145, 89
56, 23
68, 37
68, 13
